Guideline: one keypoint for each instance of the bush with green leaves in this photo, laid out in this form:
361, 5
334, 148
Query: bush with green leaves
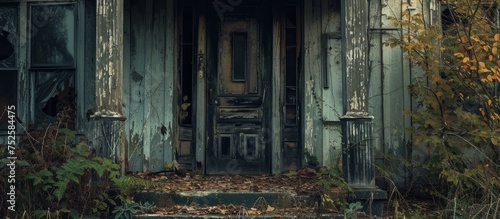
58, 177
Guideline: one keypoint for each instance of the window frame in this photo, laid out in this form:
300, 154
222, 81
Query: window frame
29, 43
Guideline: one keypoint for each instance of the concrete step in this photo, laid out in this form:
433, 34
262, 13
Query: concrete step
214, 197
179, 216
243, 199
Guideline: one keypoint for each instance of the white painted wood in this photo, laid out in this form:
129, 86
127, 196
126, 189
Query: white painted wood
169, 80
333, 96
312, 127
136, 119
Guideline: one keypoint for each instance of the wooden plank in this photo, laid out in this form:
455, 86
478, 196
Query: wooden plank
333, 97
201, 87
136, 113
393, 100
277, 95
155, 86
126, 79
169, 79
390, 9
185, 133
239, 113
236, 128
332, 143
312, 126
291, 134
375, 80
240, 101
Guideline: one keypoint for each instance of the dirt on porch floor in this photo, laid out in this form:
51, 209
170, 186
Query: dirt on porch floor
296, 183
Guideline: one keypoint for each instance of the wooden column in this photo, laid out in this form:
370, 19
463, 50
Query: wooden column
109, 55
355, 49
108, 135
357, 146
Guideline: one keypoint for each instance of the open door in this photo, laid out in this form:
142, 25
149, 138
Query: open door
236, 102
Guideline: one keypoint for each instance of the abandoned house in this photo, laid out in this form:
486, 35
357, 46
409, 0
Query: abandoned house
224, 86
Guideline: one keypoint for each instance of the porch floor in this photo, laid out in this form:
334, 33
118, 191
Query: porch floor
289, 194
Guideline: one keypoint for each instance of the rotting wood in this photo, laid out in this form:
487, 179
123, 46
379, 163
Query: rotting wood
109, 71
201, 137
109, 44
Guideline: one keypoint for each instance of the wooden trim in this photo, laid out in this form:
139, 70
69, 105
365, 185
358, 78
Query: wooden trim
277, 94
201, 104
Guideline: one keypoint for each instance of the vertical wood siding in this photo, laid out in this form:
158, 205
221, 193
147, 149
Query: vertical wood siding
384, 96
150, 77
389, 77
311, 81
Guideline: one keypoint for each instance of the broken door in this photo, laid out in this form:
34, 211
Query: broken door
236, 102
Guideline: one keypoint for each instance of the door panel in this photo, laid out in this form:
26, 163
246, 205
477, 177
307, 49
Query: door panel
236, 102
238, 57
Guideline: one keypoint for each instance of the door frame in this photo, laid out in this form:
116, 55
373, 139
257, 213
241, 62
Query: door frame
207, 55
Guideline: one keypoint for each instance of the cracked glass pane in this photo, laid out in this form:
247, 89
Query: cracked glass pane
54, 93
8, 36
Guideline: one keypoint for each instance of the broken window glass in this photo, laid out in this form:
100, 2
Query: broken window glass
8, 36
52, 32
8, 90
8, 60
54, 92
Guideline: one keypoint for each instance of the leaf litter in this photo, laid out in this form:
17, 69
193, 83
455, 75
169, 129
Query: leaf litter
301, 182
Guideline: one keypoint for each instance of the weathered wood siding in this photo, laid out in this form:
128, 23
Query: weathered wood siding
312, 125
325, 94
148, 83
322, 80
390, 75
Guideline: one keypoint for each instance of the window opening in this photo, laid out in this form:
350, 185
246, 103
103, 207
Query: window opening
239, 56
8, 60
52, 32
187, 60
291, 65
52, 60
225, 144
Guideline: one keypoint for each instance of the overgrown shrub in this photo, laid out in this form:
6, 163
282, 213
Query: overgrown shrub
456, 114
59, 176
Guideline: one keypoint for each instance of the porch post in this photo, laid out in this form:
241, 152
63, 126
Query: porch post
108, 117
357, 146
